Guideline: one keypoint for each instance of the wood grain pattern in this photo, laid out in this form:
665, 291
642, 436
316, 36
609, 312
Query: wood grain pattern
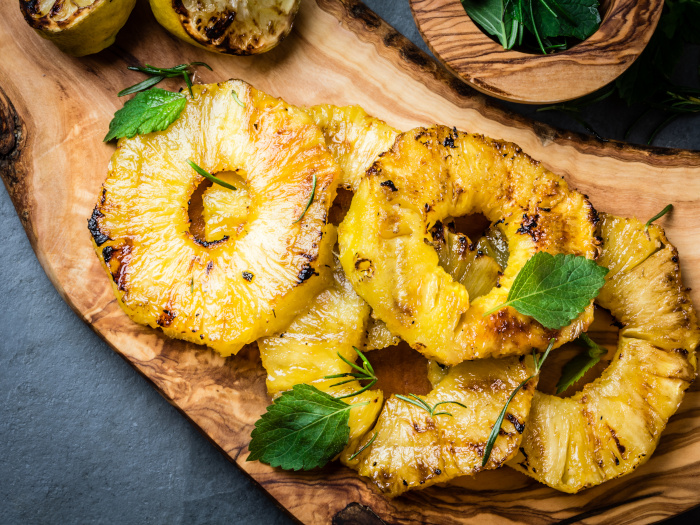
55, 109
466, 50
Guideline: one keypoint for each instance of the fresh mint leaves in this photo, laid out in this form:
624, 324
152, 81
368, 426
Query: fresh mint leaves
499, 420
148, 111
555, 289
550, 22
302, 430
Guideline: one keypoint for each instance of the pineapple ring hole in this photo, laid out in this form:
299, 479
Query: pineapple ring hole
216, 212
605, 331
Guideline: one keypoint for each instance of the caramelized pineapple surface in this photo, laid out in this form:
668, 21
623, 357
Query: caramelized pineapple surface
428, 176
614, 424
414, 449
228, 293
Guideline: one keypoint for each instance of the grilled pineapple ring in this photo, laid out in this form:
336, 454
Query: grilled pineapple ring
230, 292
613, 425
433, 174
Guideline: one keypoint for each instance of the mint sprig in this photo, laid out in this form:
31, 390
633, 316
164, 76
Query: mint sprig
555, 289
302, 430
148, 111
499, 420
575, 369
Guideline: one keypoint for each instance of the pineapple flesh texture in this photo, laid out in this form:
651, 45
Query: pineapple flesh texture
228, 293
413, 450
309, 349
430, 175
613, 425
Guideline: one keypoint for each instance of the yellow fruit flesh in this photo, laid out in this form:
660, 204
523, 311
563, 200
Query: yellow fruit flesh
385, 246
236, 27
307, 351
413, 450
614, 424
78, 27
231, 292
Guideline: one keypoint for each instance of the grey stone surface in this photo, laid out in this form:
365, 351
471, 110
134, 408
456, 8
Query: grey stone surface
85, 439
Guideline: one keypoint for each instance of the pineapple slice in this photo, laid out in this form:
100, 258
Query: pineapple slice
355, 139
231, 292
308, 350
411, 449
428, 176
613, 425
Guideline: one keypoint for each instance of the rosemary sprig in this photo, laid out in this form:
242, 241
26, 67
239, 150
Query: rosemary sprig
311, 199
366, 373
159, 74
499, 420
238, 100
663, 212
204, 173
364, 446
420, 403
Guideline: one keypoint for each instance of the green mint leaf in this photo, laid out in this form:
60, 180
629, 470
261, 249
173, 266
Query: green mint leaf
575, 369
559, 18
303, 429
489, 14
148, 111
555, 289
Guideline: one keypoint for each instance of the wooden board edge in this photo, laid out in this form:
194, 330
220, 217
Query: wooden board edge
391, 44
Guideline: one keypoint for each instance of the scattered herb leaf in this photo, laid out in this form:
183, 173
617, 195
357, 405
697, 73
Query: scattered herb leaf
238, 100
311, 199
159, 73
204, 173
148, 111
499, 420
551, 22
575, 369
303, 429
366, 373
420, 403
555, 289
663, 212
364, 446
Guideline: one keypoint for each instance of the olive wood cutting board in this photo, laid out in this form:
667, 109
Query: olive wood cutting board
54, 112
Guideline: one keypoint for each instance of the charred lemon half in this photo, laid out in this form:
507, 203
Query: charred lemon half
77, 27
235, 27
432, 175
232, 291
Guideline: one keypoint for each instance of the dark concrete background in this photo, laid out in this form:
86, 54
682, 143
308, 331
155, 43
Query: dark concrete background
85, 439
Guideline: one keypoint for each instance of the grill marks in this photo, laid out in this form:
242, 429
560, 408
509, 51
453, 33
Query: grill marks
98, 235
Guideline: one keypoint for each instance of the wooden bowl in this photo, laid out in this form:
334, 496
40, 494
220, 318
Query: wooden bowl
625, 30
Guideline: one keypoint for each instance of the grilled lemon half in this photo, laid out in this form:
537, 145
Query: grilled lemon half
431, 175
77, 27
235, 27
230, 292
613, 425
